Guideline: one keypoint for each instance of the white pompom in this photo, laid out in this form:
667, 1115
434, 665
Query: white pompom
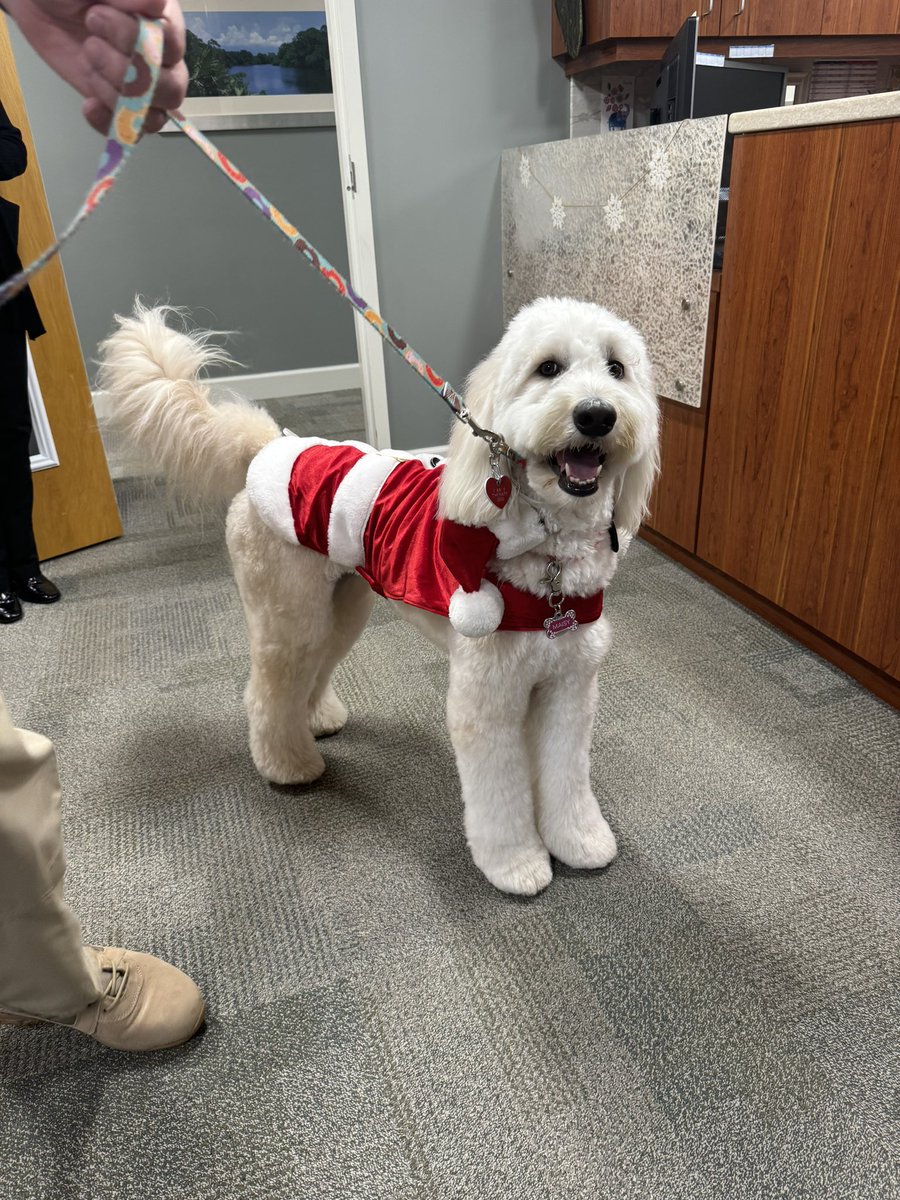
475, 614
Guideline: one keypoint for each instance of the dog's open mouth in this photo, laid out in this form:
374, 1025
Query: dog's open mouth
578, 469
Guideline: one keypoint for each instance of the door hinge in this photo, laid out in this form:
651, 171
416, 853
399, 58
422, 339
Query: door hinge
351, 186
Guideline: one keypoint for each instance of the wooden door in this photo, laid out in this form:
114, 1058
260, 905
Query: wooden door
74, 503
771, 18
801, 490
861, 16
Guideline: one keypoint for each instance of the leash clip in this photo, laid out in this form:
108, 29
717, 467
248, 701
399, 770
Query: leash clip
559, 622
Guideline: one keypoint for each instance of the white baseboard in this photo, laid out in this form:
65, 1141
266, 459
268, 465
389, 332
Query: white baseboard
274, 385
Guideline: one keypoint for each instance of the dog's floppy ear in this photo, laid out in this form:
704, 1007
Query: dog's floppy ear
462, 497
634, 494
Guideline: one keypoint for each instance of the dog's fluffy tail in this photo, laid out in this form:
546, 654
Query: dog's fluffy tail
157, 402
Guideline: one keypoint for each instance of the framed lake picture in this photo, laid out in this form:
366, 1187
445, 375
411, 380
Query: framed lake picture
255, 65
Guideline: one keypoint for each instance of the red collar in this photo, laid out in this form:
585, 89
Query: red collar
525, 613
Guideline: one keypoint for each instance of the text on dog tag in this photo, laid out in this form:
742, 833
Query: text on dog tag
562, 623
499, 490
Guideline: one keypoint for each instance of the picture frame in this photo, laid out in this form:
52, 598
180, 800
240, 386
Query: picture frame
257, 64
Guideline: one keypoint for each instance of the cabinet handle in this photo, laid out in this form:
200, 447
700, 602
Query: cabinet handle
740, 11
709, 10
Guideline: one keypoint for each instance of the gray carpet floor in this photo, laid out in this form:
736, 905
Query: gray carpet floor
714, 1015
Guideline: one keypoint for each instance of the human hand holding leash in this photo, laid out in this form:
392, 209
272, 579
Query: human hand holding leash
90, 46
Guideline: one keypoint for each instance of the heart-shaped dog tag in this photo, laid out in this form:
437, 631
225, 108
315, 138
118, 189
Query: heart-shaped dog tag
499, 490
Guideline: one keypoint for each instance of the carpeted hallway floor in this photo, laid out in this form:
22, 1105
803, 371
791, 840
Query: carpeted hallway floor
714, 1016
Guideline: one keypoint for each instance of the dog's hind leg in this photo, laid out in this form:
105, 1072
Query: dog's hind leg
351, 605
287, 596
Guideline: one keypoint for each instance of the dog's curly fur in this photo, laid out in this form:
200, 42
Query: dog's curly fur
520, 706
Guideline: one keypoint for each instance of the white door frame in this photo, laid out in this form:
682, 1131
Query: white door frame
343, 47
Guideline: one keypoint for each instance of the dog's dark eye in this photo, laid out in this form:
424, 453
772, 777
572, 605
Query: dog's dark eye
549, 369
616, 369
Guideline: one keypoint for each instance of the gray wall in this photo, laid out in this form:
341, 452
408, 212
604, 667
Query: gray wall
173, 229
447, 86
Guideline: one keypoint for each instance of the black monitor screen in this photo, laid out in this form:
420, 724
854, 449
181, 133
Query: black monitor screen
737, 87
686, 89
673, 96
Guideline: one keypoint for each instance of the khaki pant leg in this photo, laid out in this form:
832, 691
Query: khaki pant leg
43, 969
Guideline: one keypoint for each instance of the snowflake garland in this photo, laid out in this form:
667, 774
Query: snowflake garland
657, 173
614, 213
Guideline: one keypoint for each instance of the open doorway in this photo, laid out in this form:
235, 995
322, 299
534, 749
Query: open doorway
351, 136
263, 70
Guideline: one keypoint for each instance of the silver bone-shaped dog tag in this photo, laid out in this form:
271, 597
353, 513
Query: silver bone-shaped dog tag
560, 623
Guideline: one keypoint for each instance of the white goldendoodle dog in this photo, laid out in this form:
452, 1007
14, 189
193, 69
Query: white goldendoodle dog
500, 560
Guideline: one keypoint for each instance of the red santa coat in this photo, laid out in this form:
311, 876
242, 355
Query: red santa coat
378, 515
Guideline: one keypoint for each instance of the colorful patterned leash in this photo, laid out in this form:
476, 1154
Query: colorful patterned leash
444, 389
125, 130
128, 121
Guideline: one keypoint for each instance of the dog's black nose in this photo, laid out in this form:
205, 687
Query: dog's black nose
594, 418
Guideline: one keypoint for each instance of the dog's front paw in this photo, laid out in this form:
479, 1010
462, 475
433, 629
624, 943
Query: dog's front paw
327, 715
287, 768
521, 872
587, 844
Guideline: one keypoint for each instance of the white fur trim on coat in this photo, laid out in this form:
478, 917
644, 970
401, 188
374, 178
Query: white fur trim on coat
268, 477
475, 614
352, 506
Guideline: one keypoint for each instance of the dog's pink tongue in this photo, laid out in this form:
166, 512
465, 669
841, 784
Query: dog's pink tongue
580, 464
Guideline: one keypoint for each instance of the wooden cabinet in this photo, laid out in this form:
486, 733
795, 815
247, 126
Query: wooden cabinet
854, 17
801, 484
675, 503
629, 20
651, 18
640, 30
770, 18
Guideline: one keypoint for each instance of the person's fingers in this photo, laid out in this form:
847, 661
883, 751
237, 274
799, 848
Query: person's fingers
107, 70
176, 38
116, 29
101, 90
152, 9
106, 64
97, 115
156, 118
120, 30
172, 87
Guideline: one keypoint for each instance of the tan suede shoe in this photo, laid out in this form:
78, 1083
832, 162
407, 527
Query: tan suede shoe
147, 1004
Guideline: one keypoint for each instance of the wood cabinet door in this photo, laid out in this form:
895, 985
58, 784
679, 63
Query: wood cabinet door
861, 16
801, 489
74, 503
649, 18
676, 497
771, 18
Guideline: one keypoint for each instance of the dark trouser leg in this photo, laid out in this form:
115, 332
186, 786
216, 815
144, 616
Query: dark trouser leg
18, 553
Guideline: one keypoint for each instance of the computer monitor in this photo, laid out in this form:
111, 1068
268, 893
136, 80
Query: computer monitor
673, 96
737, 87
686, 88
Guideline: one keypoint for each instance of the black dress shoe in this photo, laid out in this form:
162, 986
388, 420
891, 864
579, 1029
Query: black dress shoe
10, 608
37, 589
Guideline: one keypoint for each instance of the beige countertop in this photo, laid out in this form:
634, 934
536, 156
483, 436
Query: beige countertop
825, 112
